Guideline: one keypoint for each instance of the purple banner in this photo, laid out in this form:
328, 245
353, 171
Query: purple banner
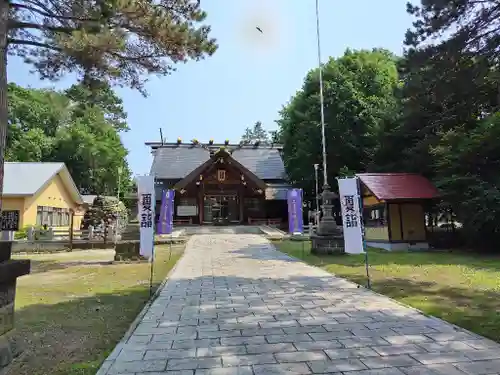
295, 220
165, 224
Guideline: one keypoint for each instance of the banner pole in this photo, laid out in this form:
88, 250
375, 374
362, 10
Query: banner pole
362, 222
152, 262
170, 248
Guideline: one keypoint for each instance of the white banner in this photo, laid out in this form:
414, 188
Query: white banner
147, 203
351, 215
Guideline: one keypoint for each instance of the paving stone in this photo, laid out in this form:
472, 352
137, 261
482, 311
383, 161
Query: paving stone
170, 354
282, 368
398, 349
242, 370
271, 348
175, 372
437, 369
215, 351
358, 342
435, 358
130, 355
233, 300
446, 346
318, 345
407, 339
385, 371
302, 356
480, 367
245, 360
389, 361
194, 363
121, 367
188, 344
342, 365
335, 354
275, 339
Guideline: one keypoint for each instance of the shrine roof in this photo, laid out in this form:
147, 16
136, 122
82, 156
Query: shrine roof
176, 161
392, 186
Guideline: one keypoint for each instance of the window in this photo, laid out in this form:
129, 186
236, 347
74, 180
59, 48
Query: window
375, 216
52, 216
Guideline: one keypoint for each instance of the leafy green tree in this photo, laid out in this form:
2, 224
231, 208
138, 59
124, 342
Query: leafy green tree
118, 41
48, 126
467, 164
255, 134
359, 93
98, 94
451, 105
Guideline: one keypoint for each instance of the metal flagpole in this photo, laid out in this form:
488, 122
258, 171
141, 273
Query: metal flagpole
316, 166
362, 223
321, 96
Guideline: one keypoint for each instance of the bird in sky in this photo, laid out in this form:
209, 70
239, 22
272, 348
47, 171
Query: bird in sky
258, 28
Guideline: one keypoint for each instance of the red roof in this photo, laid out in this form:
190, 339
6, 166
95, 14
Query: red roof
389, 186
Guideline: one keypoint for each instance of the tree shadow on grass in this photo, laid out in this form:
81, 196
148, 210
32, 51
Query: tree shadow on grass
75, 336
377, 257
41, 266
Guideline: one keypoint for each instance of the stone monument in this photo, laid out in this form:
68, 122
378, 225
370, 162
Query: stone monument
10, 270
328, 238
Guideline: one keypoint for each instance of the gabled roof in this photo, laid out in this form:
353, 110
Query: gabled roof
176, 161
392, 186
26, 179
212, 161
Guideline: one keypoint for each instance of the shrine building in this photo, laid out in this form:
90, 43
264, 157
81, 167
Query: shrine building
222, 184
394, 209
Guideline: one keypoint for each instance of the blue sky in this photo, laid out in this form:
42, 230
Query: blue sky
251, 75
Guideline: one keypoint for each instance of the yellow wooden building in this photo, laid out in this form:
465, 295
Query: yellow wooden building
394, 209
43, 193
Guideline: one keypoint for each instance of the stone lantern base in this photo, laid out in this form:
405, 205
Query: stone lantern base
328, 244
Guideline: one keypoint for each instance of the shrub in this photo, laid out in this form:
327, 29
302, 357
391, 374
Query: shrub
105, 211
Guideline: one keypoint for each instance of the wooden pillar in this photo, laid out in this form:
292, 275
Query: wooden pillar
201, 196
241, 195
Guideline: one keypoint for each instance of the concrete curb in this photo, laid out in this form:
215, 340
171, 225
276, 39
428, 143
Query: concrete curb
110, 359
454, 326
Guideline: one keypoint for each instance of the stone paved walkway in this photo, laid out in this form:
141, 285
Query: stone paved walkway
235, 305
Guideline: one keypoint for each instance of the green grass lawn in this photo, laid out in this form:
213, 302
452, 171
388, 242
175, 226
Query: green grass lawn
74, 307
460, 288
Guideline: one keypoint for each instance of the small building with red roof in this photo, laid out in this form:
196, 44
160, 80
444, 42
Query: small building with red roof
394, 209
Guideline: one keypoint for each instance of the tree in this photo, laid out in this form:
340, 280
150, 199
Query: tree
472, 26
359, 93
46, 125
467, 172
99, 94
255, 134
117, 41
451, 104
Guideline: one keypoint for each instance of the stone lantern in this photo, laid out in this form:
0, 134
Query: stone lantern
329, 238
